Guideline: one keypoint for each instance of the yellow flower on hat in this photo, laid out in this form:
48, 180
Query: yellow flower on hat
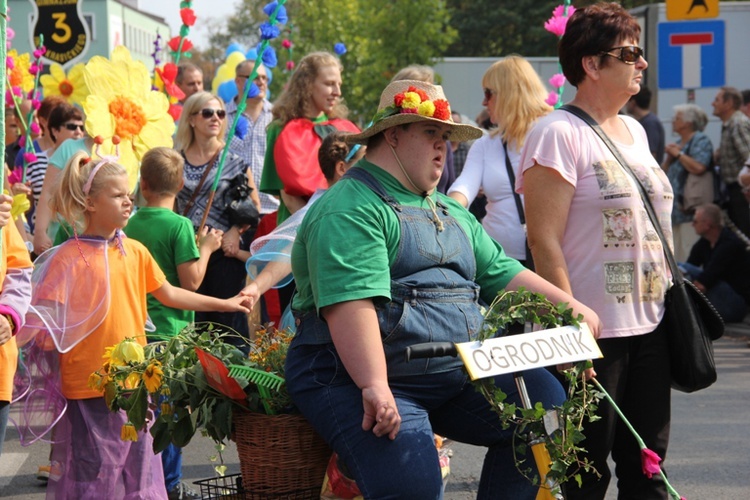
426, 108
71, 86
19, 75
411, 100
122, 103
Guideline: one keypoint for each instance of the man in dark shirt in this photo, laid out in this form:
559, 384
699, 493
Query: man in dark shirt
638, 107
719, 264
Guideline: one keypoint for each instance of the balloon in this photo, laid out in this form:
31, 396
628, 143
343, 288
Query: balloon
234, 59
233, 47
227, 91
224, 73
252, 54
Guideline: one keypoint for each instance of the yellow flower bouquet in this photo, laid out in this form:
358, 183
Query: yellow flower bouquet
184, 382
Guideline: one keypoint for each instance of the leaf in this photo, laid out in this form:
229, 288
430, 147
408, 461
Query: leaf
138, 407
184, 429
162, 435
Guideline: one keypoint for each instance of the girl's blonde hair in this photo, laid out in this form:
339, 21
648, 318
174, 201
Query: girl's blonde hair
519, 97
195, 103
291, 103
68, 199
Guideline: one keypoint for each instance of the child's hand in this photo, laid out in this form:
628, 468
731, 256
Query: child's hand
5, 332
20, 188
6, 202
252, 292
210, 238
239, 303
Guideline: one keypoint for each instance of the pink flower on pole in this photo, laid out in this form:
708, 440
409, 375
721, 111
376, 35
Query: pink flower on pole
286, 43
22, 141
551, 98
9, 63
35, 128
33, 69
10, 33
557, 80
36, 103
556, 25
16, 175
650, 462
29, 157
290, 65
560, 11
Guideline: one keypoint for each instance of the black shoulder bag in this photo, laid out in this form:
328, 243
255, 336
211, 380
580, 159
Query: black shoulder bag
690, 321
519, 207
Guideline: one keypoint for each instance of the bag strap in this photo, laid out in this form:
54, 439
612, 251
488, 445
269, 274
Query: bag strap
512, 177
209, 166
677, 277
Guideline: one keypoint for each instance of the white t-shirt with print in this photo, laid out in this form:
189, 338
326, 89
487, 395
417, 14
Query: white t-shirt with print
615, 259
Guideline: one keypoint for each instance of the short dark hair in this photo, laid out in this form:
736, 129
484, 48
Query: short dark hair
731, 93
590, 31
186, 68
643, 98
60, 115
746, 97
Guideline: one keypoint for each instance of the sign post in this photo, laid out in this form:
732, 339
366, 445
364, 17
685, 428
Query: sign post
682, 10
692, 54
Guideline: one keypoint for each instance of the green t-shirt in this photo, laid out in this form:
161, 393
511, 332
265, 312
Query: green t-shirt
270, 182
349, 240
171, 240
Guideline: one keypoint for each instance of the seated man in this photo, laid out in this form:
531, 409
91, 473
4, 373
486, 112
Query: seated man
719, 265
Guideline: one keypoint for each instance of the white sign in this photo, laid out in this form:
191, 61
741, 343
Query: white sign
516, 353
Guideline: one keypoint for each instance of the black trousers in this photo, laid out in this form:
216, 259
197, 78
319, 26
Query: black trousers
737, 207
635, 372
225, 277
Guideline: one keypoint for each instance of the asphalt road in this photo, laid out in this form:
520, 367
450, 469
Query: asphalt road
708, 457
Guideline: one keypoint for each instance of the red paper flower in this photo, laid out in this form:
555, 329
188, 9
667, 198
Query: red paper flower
187, 16
168, 75
650, 462
175, 110
421, 93
174, 44
442, 109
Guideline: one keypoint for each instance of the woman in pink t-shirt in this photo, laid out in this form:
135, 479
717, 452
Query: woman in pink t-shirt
590, 235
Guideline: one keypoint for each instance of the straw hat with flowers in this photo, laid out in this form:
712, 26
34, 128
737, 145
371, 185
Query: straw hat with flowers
409, 101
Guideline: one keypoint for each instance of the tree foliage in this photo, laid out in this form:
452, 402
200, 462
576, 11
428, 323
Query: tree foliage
381, 38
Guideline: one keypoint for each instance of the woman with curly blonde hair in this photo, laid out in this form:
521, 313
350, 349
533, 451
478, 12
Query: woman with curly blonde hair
515, 99
309, 108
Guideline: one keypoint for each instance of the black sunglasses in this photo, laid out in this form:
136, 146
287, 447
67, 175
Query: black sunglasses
488, 93
74, 126
207, 113
629, 54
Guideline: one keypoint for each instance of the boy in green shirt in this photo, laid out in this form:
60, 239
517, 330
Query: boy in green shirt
169, 236
171, 240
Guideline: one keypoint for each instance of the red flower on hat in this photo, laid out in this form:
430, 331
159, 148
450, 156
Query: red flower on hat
398, 99
188, 17
174, 44
442, 109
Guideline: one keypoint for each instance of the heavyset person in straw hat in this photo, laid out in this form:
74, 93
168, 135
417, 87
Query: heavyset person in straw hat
382, 262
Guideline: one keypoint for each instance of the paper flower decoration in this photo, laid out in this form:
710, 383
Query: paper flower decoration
122, 103
174, 44
188, 17
167, 75
281, 16
72, 86
269, 56
339, 49
557, 23
268, 31
18, 71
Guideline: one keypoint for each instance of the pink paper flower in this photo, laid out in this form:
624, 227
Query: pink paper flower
9, 63
556, 25
36, 103
10, 33
551, 98
29, 158
286, 43
650, 462
560, 11
35, 128
16, 175
290, 65
557, 80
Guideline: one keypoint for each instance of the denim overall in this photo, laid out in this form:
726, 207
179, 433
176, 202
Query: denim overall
433, 298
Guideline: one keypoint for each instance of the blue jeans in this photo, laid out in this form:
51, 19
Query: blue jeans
4, 410
730, 304
171, 461
443, 403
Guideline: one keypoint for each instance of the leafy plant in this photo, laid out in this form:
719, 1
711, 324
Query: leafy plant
560, 428
184, 381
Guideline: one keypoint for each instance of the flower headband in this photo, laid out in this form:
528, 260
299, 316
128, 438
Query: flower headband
104, 159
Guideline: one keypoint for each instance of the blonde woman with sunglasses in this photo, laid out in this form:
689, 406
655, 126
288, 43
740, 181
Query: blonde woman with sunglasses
590, 235
199, 138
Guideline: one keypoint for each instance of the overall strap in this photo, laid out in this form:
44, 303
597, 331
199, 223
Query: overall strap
369, 180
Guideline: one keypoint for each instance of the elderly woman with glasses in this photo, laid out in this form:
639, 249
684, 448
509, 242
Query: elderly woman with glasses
691, 154
199, 138
590, 235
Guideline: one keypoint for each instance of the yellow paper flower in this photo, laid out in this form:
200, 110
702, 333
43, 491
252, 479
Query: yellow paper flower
121, 102
152, 376
127, 351
426, 108
19, 76
411, 100
71, 86
128, 432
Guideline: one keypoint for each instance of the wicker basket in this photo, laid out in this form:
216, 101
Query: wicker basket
280, 454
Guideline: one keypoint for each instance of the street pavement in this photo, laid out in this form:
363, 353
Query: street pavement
708, 456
